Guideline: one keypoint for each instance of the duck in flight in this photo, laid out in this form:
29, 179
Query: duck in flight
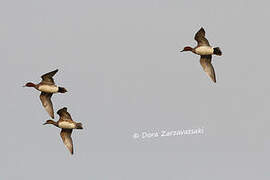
206, 51
47, 88
67, 124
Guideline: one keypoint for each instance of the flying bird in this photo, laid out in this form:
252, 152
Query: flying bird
67, 124
206, 51
47, 88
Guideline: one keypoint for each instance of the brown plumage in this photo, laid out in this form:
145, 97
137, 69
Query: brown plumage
207, 66
200, 38
46, 101
66, 123
67, 140
47, 88
48, 77
206, 51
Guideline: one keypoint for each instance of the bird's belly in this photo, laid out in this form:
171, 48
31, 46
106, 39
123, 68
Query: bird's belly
67, 125
204, 50
48, 88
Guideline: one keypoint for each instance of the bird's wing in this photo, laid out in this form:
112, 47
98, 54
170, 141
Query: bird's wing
200, 38
47, 103
207, 66
48, 77
63, 113
67, 140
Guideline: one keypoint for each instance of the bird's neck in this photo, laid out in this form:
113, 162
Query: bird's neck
52, 122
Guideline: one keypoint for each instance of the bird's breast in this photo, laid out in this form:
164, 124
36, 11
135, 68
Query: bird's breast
48, 88
204, 50
66, 125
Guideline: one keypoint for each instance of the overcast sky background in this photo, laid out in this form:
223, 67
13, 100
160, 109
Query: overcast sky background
121, 64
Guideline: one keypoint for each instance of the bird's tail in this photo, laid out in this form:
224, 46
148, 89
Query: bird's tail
79, 126
62, 90
217, 51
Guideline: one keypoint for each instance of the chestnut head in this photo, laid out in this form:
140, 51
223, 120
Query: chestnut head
29, 84
187, 48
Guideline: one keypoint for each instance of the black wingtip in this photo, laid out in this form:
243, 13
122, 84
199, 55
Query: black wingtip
202, 29
64, 109
55, 71
71, 151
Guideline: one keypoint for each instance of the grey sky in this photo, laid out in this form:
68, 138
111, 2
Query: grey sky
121, 64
